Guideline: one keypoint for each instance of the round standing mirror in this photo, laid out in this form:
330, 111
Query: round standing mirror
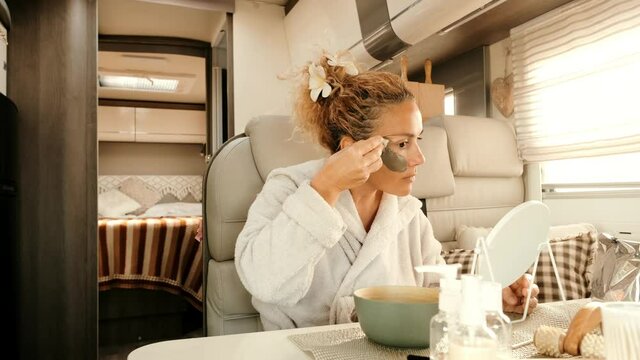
512, 245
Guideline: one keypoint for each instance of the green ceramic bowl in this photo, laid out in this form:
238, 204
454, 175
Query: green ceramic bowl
397, 316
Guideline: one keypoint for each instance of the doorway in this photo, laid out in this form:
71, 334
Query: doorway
162, 112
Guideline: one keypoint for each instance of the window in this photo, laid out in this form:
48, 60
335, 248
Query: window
619, 173
449, 102
576, 74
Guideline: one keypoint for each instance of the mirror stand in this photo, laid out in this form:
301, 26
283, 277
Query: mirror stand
481, 249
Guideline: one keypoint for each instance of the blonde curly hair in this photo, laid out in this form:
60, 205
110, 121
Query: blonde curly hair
353, 107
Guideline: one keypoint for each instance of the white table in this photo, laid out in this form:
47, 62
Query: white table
251, 346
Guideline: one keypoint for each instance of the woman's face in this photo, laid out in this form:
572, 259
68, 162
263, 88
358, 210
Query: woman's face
401, 124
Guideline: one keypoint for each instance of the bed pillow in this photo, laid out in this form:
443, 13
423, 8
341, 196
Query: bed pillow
114, 203
174, 209
137, 190
168, 198
137, 212
189, 198
468, 235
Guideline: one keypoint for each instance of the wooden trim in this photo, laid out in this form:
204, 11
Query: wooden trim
289, 6
152, 104
209, 86
56, 245
230, 101
5, 15
153, 44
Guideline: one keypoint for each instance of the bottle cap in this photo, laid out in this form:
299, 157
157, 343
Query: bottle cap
492, 296
471, 311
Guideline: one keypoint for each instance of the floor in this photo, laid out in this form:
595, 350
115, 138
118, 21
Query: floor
120, 352
132, 318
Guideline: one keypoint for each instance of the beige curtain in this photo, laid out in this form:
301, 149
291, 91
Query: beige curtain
577, 81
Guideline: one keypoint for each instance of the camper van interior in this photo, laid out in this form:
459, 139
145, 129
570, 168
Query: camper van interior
321, 179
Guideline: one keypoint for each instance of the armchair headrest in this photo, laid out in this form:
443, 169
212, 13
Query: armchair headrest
274, 144
435, 177
480, 147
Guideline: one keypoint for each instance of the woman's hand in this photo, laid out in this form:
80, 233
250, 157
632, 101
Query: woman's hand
514, 296
348, 168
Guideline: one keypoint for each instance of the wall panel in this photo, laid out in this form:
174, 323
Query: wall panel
52, 79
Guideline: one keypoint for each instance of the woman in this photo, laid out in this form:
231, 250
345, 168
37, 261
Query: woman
322, 229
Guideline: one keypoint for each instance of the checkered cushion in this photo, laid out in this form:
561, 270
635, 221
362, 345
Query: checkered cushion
574, 257
459, 256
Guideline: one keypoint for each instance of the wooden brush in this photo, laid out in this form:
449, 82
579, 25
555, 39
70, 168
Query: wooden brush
586, 320
550, 341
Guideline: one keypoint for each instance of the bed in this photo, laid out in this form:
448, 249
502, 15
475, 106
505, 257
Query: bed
149, 234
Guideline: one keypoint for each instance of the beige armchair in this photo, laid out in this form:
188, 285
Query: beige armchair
234, 177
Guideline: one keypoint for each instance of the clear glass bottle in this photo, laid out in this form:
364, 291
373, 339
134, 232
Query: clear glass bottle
497, 321
471, 338
448, 303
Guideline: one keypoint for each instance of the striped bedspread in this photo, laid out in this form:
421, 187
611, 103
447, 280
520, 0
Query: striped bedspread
153, 253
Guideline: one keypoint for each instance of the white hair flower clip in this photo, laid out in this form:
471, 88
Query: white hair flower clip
318, 82
345, 60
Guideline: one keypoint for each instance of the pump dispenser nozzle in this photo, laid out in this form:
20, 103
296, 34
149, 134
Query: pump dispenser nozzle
446, 271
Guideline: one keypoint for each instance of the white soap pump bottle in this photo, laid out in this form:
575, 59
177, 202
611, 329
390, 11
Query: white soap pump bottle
448, 304
471, 338
497, 321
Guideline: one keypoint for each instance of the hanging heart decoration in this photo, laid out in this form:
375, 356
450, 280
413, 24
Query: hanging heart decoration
502, 94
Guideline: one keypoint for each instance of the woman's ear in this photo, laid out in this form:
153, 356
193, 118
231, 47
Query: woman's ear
346, 141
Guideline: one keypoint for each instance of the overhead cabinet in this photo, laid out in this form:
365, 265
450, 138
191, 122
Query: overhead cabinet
116, 123
168, 125
151, 125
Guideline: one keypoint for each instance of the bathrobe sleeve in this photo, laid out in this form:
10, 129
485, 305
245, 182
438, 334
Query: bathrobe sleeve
431, 250
289, 228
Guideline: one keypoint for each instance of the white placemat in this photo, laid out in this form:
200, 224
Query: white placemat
352, 344
349, 344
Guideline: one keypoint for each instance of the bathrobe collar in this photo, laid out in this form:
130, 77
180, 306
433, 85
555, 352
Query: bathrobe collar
394, 215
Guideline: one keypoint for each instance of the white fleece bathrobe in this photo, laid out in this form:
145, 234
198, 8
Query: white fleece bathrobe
302, 259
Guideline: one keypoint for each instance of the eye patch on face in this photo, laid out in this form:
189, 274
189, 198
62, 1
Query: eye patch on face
392, 160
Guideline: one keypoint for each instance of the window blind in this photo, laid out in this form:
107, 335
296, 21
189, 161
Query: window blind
577, 80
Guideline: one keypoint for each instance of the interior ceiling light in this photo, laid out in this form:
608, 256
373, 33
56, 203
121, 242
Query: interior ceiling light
139, 83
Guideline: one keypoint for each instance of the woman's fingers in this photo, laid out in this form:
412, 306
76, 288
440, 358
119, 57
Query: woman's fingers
535, 290
526, 280
365, 146
350, 167
509, 297
520, 308
515, 296
373, 155
375, 166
